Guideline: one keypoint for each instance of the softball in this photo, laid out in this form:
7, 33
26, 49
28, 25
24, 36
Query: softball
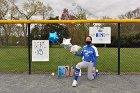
53, 74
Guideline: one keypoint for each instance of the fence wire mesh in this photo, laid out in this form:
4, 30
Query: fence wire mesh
14, 51
130, 47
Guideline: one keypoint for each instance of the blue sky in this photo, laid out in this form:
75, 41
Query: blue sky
98, 8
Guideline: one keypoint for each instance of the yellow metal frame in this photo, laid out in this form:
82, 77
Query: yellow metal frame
70, 21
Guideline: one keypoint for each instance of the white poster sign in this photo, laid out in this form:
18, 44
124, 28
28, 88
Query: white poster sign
100, 35
40, 50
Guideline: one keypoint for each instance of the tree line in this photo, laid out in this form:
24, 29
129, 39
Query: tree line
16, 34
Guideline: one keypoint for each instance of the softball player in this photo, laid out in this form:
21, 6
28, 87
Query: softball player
89, 54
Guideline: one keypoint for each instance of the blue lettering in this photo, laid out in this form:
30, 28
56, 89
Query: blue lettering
39, 52
100, 34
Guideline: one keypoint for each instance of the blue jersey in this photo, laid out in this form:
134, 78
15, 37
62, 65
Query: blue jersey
88, 54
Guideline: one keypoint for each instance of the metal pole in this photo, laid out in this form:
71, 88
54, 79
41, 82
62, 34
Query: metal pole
29, 53
118, 48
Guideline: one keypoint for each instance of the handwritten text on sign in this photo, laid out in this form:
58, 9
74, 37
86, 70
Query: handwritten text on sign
40, 50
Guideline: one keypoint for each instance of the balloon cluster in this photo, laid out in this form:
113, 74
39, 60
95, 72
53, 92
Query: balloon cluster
75, 48
53, 37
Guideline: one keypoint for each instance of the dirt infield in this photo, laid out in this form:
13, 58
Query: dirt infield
45, 83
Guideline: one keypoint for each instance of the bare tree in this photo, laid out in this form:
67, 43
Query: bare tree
27, 11
44, 11
133, 14
4, 9
77, 32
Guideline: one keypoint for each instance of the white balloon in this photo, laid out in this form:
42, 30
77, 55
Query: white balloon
67, 46
75, 48
66, 43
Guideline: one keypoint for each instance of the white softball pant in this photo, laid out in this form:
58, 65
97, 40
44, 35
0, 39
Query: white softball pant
88, 65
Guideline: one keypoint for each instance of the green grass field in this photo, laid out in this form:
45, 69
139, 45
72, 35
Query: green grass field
15, 59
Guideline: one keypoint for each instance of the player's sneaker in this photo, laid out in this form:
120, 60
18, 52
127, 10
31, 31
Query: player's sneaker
96, 73
74, 83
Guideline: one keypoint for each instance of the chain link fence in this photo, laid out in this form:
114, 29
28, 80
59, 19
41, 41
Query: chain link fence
130, 47
14, 50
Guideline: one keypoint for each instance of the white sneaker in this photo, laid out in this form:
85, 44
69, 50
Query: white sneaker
74, 83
